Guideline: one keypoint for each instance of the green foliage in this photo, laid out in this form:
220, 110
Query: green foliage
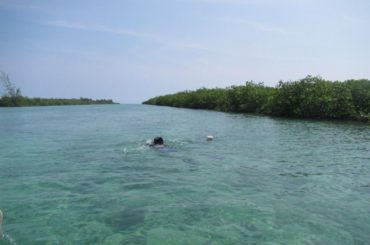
311, 97
251, 97
12, 94
360, 90
213, 99
13, 97
7, 101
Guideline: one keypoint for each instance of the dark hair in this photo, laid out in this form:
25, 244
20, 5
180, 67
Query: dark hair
158, 141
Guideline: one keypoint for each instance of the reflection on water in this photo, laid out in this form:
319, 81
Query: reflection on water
84, 175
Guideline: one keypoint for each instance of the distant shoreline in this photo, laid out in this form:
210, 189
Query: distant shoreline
7, 101
308, 98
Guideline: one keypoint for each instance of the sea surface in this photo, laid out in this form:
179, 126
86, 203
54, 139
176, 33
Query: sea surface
84, 175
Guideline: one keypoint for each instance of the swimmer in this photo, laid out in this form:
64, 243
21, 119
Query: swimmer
157, 142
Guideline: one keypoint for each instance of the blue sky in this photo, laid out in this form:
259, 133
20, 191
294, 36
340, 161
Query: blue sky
133, 50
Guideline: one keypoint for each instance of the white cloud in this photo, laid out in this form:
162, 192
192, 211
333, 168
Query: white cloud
18, 5
167, 41
253, 2
258, 25
354, 20
100, 28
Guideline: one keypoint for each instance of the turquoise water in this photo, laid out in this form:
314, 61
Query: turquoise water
83, 175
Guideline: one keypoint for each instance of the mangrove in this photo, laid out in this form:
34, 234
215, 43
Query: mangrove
311, 97
12, 97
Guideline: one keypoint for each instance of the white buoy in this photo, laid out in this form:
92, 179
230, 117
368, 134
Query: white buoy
209, 137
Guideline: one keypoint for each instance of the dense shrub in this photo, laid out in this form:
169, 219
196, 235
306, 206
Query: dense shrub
7, 101
12, 97
311, 97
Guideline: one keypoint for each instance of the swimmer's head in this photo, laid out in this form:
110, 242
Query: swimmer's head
158, 141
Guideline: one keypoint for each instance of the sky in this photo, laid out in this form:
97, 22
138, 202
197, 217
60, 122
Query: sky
132, 50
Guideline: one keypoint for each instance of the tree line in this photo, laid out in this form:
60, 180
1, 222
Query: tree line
12, 97
7, 101
311, 97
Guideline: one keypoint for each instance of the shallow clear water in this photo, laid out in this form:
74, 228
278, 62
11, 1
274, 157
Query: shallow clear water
83, 175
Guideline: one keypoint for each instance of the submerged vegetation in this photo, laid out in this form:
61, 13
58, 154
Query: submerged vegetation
13, 97
311, 97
